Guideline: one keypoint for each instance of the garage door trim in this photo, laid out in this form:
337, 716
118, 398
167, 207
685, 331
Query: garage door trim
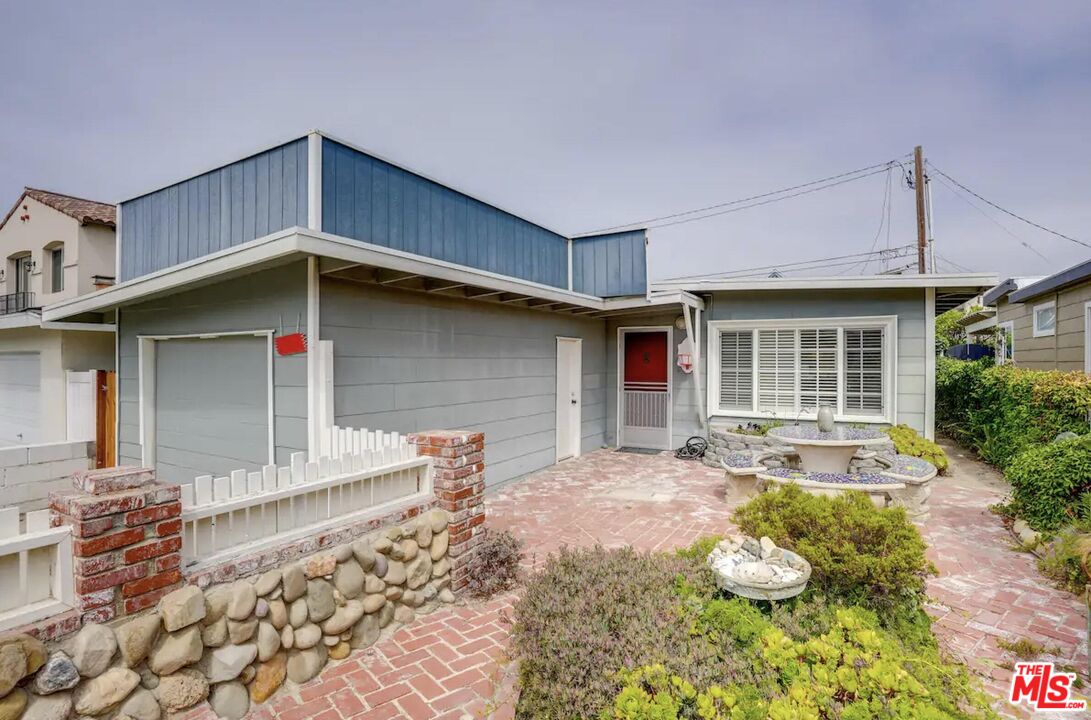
146, 345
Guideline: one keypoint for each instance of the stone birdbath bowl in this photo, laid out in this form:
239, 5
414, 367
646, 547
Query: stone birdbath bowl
758, 569
823, 451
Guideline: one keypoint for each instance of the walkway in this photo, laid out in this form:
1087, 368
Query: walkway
453, 664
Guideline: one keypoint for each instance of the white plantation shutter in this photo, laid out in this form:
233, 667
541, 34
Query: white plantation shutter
737, 370
777, 370
864, 371
818, 368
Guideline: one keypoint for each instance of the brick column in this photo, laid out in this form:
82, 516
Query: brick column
458, 479
126, 539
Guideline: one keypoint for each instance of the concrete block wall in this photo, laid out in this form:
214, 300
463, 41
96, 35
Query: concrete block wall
28, 473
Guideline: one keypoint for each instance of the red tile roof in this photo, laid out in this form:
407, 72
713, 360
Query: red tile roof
87, 212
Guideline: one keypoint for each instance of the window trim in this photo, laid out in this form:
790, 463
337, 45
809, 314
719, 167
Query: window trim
889, 323
53, 251
1038, 332
1008, 325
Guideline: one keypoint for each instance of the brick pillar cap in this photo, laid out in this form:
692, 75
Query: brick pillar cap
114, 479
446, 438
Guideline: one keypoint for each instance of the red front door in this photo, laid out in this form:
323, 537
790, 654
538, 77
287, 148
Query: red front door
645, 389
646, 358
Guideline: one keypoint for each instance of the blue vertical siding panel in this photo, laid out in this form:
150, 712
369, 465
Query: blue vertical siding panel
398, 209
610, 265
216, 210
362, 202
275, 216
344, 183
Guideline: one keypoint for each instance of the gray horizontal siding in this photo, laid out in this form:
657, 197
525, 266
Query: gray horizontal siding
408, 361
907, 305
234, 204
373, 201
611, 265
259, 301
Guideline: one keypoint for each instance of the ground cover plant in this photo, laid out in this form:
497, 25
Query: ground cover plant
908, 441
498, 558
621, 634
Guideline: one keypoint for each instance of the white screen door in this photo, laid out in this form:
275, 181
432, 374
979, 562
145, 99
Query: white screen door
569, 389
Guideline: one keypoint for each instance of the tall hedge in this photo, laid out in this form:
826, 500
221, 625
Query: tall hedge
1002, 410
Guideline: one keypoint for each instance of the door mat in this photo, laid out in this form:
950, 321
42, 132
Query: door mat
639, 451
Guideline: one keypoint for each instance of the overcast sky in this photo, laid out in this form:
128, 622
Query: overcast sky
582, 115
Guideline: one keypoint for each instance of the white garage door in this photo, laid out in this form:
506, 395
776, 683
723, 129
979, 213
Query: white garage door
212, 406
20, 408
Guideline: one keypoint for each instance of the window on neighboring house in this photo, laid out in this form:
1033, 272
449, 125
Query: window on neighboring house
1005, 343
56, 269
1045, 319
791, 368
22, 273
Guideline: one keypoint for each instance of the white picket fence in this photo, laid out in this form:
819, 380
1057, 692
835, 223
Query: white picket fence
35, 568
361, 473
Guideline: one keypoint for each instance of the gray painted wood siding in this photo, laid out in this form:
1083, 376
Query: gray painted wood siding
408, 361
228, 206
259, 301
373, 201
907, 305
611, 265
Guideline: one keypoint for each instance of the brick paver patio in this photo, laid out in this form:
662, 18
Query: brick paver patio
454, 664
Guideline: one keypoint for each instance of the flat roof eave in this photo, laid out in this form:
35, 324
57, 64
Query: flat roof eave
298, 243
964, 281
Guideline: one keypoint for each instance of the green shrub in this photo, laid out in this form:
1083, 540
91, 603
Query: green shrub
1063, 559
1048, 481
590, 613
1000, 411
853, 671
859, 554
908, 442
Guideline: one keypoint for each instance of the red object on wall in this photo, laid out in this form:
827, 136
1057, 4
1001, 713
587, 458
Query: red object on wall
292, 344
646, 357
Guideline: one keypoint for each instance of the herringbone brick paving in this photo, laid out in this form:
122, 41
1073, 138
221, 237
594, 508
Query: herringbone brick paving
454, 662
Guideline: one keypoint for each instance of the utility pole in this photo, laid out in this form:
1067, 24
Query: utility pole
918, 186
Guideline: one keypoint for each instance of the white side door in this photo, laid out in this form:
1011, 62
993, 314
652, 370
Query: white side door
80, 402
569, 390
20, 398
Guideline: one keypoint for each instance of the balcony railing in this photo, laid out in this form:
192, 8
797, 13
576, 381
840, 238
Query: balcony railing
16, 302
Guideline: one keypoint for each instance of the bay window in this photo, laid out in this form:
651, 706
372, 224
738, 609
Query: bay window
789, 368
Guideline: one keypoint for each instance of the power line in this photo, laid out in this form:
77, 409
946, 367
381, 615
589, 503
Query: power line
729, 273
1009, 212
884, 216
991, 219
649, 221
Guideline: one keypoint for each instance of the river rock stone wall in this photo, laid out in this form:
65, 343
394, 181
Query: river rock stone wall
234, 644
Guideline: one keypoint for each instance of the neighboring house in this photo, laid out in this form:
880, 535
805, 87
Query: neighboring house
1043, 322
424, 307
53, 248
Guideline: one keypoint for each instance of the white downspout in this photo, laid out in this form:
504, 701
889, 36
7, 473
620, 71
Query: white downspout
695, 342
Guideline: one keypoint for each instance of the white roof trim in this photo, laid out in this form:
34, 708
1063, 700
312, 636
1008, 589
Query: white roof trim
966, 280
20, 320
303, 242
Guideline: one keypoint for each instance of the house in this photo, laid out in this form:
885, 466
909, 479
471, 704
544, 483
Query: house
423, 306
53, 248
1043, 322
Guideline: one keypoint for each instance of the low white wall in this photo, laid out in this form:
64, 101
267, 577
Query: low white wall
28, 473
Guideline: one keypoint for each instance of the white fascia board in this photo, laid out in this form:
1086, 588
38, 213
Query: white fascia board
262, 249
968, 280
657, 299
80, 327
361, 253
301, 241
20, 320
981, 326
